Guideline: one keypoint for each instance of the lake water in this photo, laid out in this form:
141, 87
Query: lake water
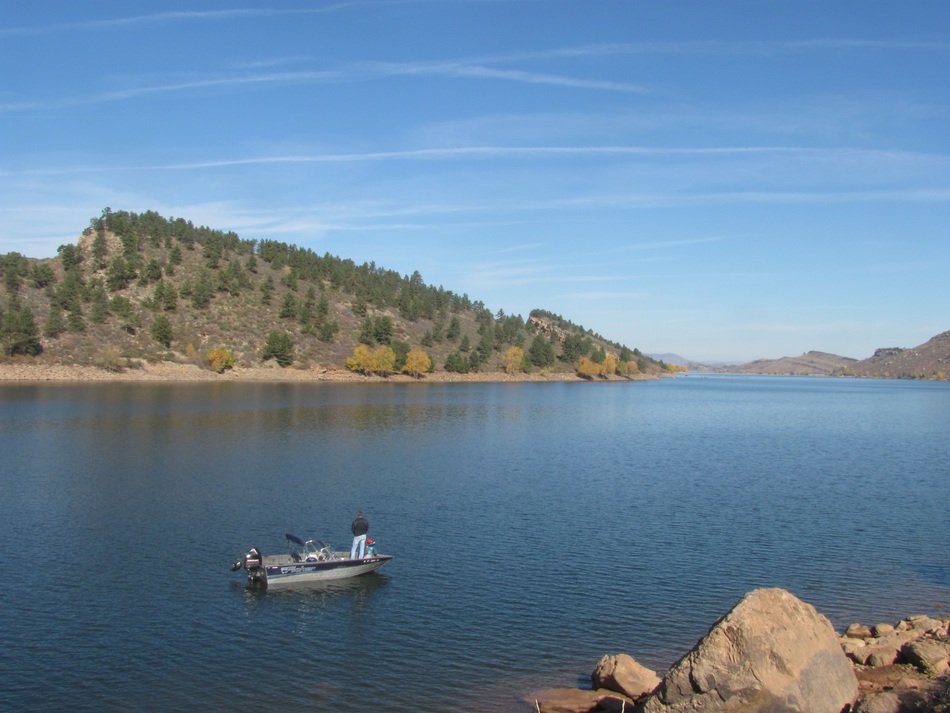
535, 527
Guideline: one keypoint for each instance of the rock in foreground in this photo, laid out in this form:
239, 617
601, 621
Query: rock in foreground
772, 652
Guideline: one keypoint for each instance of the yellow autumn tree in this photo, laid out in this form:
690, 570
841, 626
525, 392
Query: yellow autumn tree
627, 368
609, 367
512, 359
360, 359
381, 360
220, 359
588, 368
417, 363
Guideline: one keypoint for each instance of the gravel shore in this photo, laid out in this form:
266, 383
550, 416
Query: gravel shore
175, 372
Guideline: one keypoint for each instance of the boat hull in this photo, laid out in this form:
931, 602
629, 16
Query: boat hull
286, 574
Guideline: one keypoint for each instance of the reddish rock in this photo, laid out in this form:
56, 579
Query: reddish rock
771, 652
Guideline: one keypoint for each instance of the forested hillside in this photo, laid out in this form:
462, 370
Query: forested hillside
141, 287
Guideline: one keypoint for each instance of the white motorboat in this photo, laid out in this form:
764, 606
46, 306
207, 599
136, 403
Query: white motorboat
314, 562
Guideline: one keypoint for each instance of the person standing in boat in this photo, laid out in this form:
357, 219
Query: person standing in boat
359, 527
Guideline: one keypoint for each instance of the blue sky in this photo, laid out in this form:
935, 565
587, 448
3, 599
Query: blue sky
724, 180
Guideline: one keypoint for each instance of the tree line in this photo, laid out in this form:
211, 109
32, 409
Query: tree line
131, 269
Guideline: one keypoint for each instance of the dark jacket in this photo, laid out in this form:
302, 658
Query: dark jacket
360, 526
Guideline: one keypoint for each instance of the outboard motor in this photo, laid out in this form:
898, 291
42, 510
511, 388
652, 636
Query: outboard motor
252, 559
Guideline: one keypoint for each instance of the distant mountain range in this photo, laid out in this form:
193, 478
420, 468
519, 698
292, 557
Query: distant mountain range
930, 360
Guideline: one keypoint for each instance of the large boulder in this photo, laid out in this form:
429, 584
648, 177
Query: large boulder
623, 674
929, 656
772, 653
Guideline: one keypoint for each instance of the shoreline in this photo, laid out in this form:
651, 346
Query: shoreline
175, 372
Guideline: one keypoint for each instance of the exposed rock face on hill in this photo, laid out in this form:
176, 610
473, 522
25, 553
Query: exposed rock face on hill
930, 360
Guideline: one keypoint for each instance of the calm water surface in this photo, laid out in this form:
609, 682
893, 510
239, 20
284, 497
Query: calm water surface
536, 527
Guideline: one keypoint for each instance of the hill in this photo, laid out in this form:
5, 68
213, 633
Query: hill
141, 288
930, 360
809, 364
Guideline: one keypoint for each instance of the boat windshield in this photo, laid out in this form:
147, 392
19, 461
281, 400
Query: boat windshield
314, 547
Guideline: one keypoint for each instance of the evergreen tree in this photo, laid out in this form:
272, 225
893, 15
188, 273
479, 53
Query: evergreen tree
55, 323
152, 271
203, 290
288, 309
233, 279
42, 275
327, 331
169, 301
100, 304
367, 332
121, 307
100, 250
69, 257
541, 353
457, 363
323, 308
119, 274
574, 347
161, 331
383, 329
75, 321
454, 330
267, 290
174, 256
279, 346
18, 331
401, 350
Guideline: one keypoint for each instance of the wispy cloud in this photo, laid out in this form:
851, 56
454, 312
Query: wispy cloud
233, 81
160, 18
717, 47
467, 70
354, 73
451, 153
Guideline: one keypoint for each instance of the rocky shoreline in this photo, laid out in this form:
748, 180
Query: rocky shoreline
267, 372
773, 653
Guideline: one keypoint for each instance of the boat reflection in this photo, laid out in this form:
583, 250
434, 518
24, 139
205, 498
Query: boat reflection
314, 598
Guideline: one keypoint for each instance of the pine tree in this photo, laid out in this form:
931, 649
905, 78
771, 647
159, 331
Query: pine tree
161, 331
100, 304
327, 331
18, 331
267, 290
279, 346
55, 324
288, 309
203, 290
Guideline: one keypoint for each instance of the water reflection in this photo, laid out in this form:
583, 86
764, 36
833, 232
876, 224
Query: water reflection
561, 520
315, 598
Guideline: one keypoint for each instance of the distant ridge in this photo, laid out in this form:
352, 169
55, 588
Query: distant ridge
808, 364
930, 360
